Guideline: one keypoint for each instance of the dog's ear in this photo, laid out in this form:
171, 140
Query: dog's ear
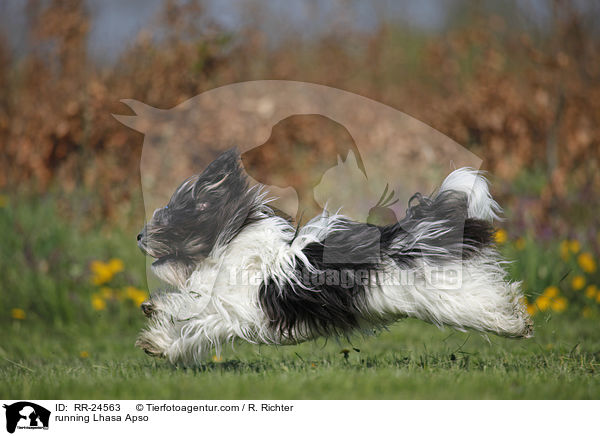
218, 176
227, 163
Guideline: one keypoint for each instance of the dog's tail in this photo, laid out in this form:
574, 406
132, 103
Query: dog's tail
452, 232
480, 204
453, 224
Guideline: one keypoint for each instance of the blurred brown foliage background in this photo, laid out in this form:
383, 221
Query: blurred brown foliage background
526, 100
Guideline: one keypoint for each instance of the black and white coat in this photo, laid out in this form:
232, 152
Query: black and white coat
239, 271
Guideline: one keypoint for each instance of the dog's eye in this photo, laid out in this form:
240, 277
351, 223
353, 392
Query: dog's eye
201, 206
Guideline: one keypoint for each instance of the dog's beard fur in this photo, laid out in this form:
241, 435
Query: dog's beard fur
241, 272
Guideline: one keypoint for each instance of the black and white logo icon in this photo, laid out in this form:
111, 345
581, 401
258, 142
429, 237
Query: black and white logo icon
26, 415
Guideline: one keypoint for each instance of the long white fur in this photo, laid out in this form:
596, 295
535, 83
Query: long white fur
475, 185
219, 302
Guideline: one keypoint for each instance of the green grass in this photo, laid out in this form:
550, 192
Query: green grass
411, 361
45, 271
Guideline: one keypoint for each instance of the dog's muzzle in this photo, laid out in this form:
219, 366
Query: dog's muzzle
141, 243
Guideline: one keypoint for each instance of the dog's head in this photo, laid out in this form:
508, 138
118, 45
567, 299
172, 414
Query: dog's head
206, 210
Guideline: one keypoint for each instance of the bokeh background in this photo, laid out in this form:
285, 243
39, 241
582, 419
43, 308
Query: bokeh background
515, 82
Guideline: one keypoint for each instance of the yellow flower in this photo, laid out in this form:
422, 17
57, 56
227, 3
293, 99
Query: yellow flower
520, 244
598, 297
543, 303
578, 283
531, 309
551, 291
574, 246
587, 312
587, 262
97, 266
559, 305
17, 313
591, 291
217, 359
102, 273
3, 201
138, 296
130, 291
115, 265
564, 250
500, 236
84, 354
98, 303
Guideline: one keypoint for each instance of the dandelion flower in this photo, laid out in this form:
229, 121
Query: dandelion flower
578, 283
101, 272
531, 309
500, 236
574, 246
587, 262
551, 291
138, 296
543, 303
17, 313
140, 299
217, 359
130, 291
559, 305
591, 291
115, 265
98, 303
84, 354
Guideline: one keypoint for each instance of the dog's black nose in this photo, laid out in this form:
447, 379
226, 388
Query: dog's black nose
139, 236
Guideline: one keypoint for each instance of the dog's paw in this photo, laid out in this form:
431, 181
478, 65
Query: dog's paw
149, 347
148, 308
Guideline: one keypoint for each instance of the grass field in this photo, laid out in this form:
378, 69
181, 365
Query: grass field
68, 332
411, 361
